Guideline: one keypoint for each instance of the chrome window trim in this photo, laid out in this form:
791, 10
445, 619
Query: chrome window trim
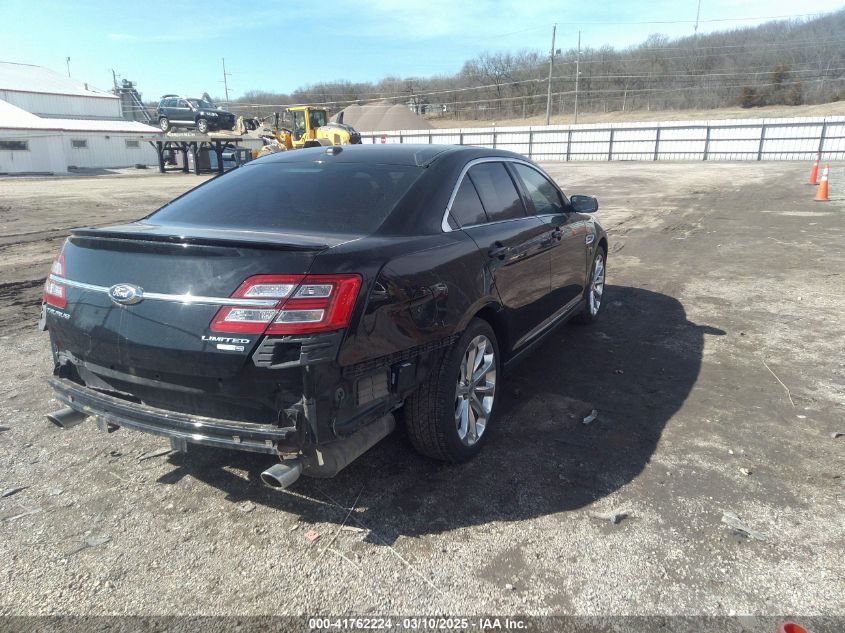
564, 200
185, 298
444, 223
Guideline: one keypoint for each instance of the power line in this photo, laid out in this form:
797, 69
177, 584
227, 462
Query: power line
646, 22
637, 48
652, 76
670, 75
619, 91
622, 59
615, 55
606, 91
698, 76
713, 20
613, 59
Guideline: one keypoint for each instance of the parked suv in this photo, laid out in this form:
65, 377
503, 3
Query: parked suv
292, 305
174, 111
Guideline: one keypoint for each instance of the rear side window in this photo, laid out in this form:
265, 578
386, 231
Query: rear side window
332, 198
466, 208
543, 194
497, 191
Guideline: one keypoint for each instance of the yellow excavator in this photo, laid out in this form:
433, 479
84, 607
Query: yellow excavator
309, 127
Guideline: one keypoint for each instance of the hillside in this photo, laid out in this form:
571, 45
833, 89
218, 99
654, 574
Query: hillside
779, 63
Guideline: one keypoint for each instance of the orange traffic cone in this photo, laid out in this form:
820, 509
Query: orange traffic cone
814, 172
821, 192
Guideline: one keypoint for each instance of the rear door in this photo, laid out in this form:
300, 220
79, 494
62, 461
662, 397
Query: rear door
490, 210
569, 250
182, 112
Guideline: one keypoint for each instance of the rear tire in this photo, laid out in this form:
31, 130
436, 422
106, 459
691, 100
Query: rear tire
449, 416
164, 124
594, 292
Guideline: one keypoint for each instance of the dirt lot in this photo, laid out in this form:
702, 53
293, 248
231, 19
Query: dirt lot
711, 482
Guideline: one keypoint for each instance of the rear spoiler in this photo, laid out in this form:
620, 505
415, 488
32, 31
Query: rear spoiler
250, 239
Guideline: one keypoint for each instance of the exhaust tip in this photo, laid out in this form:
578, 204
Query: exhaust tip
282, 475
66, 418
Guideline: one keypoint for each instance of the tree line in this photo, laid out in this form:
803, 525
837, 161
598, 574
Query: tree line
788, 62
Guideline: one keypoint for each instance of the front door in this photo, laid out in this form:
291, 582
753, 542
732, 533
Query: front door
182, 113
516, 245
569, 252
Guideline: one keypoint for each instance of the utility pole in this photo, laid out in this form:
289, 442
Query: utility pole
225, 81
697, 14
577, 74
551, 69
67, 61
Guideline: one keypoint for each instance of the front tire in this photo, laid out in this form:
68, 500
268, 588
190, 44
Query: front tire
202, 126
594, 292
449, 416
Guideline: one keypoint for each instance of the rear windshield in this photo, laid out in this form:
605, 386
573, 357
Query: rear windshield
330, 198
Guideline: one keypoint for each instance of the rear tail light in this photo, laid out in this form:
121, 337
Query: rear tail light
54, 292
304, 304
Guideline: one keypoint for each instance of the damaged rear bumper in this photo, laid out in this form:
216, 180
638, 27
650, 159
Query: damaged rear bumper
180, 428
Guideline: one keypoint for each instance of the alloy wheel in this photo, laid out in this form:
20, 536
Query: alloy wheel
597, 285
475, 391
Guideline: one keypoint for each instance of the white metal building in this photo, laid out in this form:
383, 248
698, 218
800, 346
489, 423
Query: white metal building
50, 123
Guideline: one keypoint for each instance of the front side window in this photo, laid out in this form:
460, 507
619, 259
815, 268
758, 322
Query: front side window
497, 192
544, 195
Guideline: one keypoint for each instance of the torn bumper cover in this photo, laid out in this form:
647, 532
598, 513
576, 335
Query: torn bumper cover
181, 428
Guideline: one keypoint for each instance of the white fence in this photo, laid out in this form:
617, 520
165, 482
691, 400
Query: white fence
735, 139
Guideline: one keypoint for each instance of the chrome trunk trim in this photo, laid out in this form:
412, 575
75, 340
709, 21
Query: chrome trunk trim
183, 298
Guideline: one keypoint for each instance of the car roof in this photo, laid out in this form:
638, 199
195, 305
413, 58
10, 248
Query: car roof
387, 154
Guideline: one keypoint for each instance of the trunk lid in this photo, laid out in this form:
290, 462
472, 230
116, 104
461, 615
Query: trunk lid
184, 275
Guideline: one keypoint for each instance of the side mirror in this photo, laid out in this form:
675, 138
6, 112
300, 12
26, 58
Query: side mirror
584, 204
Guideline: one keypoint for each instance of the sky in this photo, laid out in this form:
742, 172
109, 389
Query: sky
178, 46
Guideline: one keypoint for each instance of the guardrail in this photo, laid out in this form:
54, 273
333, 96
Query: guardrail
737, 139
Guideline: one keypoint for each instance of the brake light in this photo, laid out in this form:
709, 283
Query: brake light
304, 304
54, 292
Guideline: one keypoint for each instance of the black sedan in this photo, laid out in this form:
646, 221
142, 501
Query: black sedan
292, 305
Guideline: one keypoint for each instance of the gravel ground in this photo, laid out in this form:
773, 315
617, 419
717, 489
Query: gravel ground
710, 483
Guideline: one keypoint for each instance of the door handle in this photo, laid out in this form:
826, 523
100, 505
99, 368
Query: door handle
498, 251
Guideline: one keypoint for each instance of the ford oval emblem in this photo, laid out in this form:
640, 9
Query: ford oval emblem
126, 294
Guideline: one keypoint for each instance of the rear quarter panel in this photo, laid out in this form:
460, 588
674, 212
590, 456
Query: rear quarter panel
416, 291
